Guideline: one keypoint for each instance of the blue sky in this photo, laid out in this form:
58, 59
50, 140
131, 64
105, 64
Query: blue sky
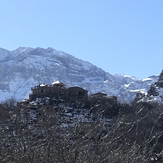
120, 36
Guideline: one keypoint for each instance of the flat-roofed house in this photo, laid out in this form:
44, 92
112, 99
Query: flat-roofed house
77, 94
58, 84
102, 98
56, 89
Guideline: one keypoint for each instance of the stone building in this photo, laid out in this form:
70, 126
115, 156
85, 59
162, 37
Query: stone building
112, 99
56, 89
73, 95
98, 95
98, 98
77, 94
103, 105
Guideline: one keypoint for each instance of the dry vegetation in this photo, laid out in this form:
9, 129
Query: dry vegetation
135, 135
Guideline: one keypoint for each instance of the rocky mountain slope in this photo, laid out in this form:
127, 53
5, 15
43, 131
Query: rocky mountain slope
154, 94
24, 68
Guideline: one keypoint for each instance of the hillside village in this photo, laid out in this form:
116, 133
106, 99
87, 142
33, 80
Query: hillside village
75, 103
58, 123
58, 91
75, 97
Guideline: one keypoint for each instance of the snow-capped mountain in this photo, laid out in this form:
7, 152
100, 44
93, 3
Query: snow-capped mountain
154, 94
25, 67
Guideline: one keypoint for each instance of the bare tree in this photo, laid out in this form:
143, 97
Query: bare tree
43, 134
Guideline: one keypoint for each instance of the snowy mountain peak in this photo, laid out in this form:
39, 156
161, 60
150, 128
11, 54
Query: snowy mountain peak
26, 67
22, 50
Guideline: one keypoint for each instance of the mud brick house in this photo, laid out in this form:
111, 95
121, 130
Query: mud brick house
102, 99
112, 99
58, 84
101, 104
56, 89
73, 95
77, 94
98, 98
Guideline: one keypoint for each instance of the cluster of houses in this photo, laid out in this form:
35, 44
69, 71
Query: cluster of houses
58, 90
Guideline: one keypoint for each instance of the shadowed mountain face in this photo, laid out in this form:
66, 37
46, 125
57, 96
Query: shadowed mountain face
24, 68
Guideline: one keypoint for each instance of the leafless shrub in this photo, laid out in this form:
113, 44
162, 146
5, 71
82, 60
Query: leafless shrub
134, 135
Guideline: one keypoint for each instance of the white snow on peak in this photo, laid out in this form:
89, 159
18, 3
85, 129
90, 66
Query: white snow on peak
56, 82
127, 85
129, 76
126, 76
42, 85
22, 50
138, 90
146, 79
105, 81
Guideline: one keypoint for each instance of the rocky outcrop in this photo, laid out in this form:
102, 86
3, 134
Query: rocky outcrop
160, 81
154, 94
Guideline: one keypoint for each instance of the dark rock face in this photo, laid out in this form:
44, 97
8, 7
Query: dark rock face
160, 81
152, 90
161, 76
159, 84
155, 92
